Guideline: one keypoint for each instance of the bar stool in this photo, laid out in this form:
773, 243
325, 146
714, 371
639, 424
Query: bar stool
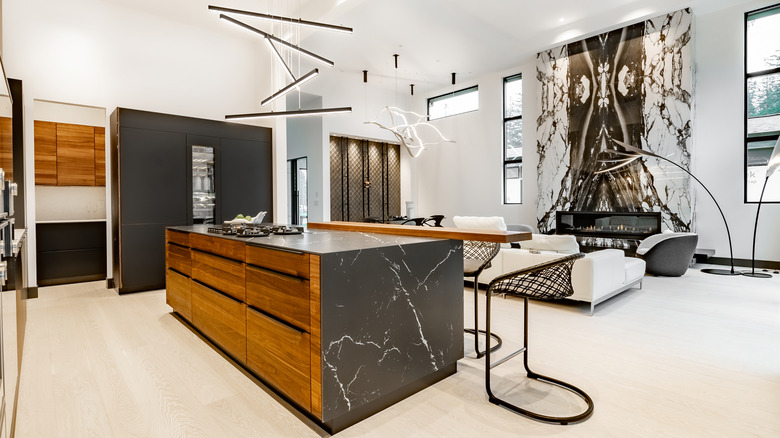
476, 258
434, 220
545, 281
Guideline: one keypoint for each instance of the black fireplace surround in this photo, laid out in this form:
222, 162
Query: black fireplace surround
608, 229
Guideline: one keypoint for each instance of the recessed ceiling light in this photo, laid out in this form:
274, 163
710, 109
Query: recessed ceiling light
561, 19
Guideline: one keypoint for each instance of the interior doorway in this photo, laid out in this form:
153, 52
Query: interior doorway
297, 181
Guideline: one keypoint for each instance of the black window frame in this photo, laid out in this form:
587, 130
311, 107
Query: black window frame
451, 95
747, 77
506, 119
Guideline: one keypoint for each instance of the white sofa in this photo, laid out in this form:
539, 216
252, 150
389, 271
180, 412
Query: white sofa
598, 276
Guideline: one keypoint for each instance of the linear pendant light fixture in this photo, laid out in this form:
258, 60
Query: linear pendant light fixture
285, 20
277, 40
296, 83
294, 113
305, 78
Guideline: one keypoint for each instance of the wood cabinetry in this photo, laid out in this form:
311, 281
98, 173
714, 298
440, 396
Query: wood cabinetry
258, 311
221, 318
45, 153
279, 352
69, 155
100, 156
7, 147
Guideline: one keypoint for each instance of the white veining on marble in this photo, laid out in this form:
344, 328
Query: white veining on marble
632, 84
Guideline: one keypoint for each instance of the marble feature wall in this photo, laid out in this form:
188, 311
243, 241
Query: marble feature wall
632, 84
390, 316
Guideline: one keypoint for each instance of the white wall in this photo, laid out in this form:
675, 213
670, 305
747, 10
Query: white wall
304, 139
718, 156
106, 54
465, 178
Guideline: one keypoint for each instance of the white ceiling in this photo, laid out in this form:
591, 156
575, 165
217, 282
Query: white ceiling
432, 37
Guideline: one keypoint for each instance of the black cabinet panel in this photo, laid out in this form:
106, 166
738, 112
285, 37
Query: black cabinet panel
153, 169
70, 235
246, 176
143, 257
70, 252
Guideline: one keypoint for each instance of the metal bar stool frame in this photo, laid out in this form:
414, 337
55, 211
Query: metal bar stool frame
483, 252
550, 280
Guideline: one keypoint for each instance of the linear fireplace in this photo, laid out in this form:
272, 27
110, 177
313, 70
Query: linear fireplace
608, 229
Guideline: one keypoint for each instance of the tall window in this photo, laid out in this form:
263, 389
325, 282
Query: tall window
513, 139
762, 99
450, 104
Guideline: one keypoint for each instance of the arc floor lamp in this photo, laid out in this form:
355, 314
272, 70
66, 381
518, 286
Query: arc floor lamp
633, 153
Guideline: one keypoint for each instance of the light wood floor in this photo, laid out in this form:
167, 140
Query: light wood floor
697, 356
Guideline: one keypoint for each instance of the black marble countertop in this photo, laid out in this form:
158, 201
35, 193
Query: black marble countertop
316, 241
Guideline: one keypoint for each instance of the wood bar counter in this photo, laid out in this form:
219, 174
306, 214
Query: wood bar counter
342, 324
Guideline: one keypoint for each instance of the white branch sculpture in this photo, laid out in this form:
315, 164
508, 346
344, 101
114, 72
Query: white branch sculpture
407, 133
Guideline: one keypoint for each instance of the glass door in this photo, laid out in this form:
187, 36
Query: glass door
297, 181
203, 191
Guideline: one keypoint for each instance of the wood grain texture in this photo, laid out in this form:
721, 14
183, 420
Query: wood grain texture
315, 336
221, 318
75, 155
432, 232
282, 296
7, 147
225, 275
100, 156
280, 355
178, 293
45, 153
178, 258
291, 263
177, 237
217, 245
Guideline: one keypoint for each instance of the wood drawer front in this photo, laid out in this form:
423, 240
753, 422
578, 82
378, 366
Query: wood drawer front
221, 318
177, 237
283, 296
223, 274
178, 258
178, 293
218, 245
293, 263
280, 354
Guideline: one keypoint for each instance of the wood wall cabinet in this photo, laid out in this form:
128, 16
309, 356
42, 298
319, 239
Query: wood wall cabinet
45, 153
100, 156
69, 155
6, 147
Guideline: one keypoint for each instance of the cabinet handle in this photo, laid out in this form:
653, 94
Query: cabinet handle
276, 274
277, 321
276, 248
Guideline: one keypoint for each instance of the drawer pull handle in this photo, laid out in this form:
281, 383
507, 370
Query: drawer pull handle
277, 321
276, 248
276, 274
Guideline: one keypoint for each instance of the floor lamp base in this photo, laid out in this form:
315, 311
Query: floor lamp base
717, 271
756, 274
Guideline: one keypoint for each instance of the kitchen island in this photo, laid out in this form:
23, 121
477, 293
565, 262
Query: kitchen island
342, 324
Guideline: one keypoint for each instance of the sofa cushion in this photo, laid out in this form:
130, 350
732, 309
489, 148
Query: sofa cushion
635, 269
480, 222
559, 243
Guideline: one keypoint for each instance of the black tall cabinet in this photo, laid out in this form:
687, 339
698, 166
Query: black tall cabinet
151, 175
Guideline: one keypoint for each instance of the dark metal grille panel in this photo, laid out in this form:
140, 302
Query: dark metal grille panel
374, 177
365, 179
355, 181
393, 180
336, 185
